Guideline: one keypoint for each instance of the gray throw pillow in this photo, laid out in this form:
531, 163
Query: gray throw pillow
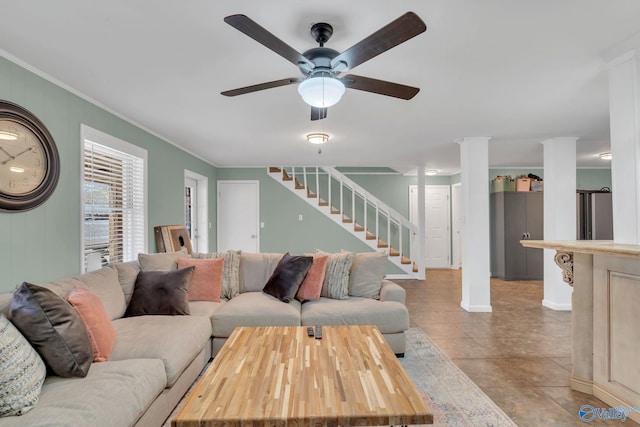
161, 292
287, 277
22, 371
336, 279
54, 328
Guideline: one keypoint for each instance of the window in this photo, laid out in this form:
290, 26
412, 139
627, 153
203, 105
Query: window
113, 199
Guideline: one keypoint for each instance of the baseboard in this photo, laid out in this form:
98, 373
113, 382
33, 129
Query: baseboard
476, 308
553, 306
581, 385
398, 277
615, 401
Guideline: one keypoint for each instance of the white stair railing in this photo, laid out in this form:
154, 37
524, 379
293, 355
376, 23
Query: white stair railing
359, 210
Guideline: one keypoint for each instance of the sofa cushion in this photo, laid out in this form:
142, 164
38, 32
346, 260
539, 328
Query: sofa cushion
22, 371
98, 324
206, 281
366, 274
53, 328
255, 270
160, 292
127, 274
176, 340
230, 271
312, 284
105, 285
112, 394
161, 261
336, 279
287, 277
254, 309
389, 317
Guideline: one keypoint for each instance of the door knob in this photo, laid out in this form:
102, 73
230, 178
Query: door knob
253, 236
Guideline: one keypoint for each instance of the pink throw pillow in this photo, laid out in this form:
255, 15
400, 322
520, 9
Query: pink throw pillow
206, 281
312, 285
91, 310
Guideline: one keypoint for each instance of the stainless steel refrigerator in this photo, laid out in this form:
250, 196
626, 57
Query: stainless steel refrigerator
595, 215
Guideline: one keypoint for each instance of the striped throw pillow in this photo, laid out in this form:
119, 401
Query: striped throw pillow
22, 371
336, 279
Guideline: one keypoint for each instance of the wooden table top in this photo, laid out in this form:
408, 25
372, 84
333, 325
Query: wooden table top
279, 376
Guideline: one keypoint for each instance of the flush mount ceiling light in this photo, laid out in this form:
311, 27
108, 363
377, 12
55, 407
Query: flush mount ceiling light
431, 172
321, 90
8, 135
606, 156
317, 138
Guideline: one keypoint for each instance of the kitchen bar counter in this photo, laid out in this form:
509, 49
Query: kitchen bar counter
605, 317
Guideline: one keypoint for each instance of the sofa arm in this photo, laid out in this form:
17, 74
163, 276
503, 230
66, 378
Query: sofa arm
392, 292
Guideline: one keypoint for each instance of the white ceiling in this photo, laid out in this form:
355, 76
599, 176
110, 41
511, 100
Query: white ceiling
518, 71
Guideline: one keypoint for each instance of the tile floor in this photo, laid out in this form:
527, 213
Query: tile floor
519, 355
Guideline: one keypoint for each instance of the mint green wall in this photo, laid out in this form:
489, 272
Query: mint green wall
586, 179
44, 244
279, 211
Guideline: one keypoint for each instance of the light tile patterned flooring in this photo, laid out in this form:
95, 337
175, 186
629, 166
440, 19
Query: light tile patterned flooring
519, 355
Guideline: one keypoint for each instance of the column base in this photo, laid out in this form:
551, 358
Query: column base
581, 385
476, 308
555, 306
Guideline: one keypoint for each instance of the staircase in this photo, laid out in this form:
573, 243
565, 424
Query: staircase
354, 209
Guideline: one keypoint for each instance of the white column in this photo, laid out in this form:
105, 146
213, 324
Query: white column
624, 111
421, 223
476, 261
559, 214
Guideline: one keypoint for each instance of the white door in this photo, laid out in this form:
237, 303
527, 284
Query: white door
239, 216
437, 236
191, 210
456, 232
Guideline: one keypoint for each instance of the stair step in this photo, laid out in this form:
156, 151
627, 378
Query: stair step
394, 252
371, 236
311, 195
346, 219
274, 169
358, 227
415, 267
382, 244
405, 260
285, 176
298, 185
335, 210
322, 202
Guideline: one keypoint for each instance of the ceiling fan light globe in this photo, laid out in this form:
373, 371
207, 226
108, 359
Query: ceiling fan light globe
321, 92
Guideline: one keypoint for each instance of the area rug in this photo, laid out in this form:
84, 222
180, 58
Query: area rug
453, 398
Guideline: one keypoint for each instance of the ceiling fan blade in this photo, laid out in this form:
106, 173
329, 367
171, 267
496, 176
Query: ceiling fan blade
318, 113
396, 32
260, 86
246, 25
380, 87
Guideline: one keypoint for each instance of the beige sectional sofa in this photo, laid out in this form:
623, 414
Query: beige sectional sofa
156, 358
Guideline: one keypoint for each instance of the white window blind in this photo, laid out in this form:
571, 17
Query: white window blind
113, 204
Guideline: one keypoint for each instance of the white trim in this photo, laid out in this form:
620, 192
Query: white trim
554, 306
476, 308
91, 100
454, 208
99, 137
399, 276
202, 201
622, 58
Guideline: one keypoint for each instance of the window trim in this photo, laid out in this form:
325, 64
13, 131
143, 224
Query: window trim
94, 135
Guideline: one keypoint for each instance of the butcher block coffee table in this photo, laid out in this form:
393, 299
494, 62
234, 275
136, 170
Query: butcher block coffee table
279, 376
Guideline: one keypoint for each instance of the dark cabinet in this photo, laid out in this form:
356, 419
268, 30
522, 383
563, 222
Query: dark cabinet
516, 216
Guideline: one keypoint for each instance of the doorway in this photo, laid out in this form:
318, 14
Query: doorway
196, 210
239, 216
437, 224
456, 229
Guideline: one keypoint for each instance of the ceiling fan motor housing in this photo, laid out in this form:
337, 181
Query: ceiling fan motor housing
321, 58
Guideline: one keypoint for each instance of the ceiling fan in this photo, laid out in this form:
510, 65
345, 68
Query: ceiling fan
323, 85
